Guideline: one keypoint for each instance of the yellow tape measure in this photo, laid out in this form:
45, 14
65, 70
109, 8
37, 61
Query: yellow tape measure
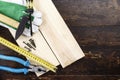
28, 54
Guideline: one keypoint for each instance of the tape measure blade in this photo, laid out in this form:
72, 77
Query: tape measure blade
28, 54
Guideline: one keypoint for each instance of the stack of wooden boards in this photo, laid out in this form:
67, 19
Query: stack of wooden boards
54, 41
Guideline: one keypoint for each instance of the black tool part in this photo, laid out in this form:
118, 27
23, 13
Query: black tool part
29, 45
30, 11
25, 20
27, 48
21, 26
31, 22
32, 42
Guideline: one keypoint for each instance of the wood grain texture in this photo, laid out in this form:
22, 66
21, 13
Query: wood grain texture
8, 21
101, 63
99, 39
89, 12
42, 47
57, 34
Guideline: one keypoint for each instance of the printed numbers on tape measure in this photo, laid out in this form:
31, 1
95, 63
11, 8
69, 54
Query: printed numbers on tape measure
28, 54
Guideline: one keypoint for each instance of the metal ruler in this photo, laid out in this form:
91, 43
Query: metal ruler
27, 54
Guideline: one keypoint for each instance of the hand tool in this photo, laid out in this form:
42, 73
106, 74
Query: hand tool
29, 55
25, 19
28, 66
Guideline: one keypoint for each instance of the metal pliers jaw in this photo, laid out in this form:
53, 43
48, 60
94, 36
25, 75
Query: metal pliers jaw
29, 67
34, 68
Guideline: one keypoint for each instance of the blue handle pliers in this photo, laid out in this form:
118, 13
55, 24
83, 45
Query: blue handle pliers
30, 68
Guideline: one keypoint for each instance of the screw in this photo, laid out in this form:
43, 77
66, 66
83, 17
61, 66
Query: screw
29, 45
27, 48
32, 42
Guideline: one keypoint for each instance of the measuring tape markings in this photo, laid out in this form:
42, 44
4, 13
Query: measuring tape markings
28, 54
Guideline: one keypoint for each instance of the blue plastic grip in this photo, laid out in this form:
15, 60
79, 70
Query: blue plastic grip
16, 59
13, 70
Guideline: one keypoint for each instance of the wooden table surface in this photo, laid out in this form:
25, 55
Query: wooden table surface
96, 26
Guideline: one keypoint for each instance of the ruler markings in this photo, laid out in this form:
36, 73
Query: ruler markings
28, 54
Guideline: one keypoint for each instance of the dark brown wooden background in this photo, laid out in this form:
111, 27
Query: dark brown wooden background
96, 26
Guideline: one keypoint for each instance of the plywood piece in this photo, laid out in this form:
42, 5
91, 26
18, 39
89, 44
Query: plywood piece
58, 34
8, 20
42, 49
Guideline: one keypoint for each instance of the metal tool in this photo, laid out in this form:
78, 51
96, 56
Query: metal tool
29, 67
26, 19
21, 26
32, 42
29, 55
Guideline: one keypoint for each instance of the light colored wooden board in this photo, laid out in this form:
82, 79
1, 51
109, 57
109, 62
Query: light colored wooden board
42, 48
58, 34
8, 20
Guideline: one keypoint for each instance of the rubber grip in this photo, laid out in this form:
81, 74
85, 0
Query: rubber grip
16, 59
13, 70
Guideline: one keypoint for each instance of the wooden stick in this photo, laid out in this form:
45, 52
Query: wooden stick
58, 34
8, 21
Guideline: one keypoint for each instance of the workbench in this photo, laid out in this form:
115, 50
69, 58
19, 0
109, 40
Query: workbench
95, 25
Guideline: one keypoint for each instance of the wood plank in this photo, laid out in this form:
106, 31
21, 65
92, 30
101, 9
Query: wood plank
90, 38
98, 36
89, 12
82, 77
9, 21
57, 34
